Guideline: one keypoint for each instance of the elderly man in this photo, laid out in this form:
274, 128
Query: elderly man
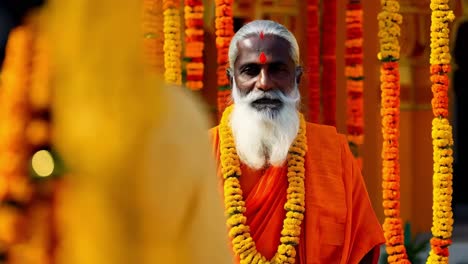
292, 190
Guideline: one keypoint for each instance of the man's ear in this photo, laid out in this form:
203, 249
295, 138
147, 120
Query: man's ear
230, 75
299, 71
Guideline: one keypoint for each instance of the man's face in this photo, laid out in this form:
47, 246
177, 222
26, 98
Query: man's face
264, 65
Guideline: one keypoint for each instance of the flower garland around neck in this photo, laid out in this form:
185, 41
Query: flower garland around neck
239, 232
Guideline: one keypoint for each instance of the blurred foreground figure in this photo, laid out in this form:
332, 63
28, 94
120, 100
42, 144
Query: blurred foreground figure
142, 188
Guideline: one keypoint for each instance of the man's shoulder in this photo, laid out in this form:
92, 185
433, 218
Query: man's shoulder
326, 128
319, 130
321, 137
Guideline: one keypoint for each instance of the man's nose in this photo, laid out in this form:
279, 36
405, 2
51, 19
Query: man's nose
264, 81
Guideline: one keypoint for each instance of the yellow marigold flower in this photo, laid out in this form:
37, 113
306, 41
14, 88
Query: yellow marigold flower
237, 219
194, 15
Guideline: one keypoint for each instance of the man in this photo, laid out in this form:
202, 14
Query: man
293, 192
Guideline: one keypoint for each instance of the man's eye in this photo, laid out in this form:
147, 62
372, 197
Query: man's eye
278, 68
251, 70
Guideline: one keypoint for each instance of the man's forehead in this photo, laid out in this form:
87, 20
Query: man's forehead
269, 49
262, 42
247, 43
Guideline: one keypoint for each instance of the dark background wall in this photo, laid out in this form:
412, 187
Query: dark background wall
11, 14
460, 88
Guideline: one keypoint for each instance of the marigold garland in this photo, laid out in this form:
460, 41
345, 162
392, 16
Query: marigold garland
389, 31
172, 42
243, 244
153, 36
442, 139
41, 242
328, 55
27, 208
224, 26
194, 43
16, 189
354, 73
313, 60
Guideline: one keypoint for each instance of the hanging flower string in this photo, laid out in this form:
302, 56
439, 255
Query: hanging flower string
243, 244
313, 60
328, 55
41, 243
15, 187
354, 73
153, 36
172, 42
389, 32
194, 43
442, 140
224, 26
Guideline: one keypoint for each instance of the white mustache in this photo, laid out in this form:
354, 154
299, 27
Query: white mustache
275, 94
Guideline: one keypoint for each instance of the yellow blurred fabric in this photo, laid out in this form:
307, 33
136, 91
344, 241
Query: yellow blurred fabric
142, 187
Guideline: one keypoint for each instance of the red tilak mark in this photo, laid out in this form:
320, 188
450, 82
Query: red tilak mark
262, 58
262, 36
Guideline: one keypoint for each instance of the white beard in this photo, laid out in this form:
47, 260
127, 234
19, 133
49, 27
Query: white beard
264, 137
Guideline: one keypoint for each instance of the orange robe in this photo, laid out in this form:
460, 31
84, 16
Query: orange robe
340, 225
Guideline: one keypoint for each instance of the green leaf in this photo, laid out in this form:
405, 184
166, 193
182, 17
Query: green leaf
407, 234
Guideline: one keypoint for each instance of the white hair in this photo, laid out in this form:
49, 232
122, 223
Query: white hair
268, 27
263, 138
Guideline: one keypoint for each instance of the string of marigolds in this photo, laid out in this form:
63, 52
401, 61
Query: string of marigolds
16, 190
15, 187
26, 212
442, 141
354, 73
172, 42
224, 26
42, 160
389, 31
313, 60
153, 38
243, 244
194, 43
328, 55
